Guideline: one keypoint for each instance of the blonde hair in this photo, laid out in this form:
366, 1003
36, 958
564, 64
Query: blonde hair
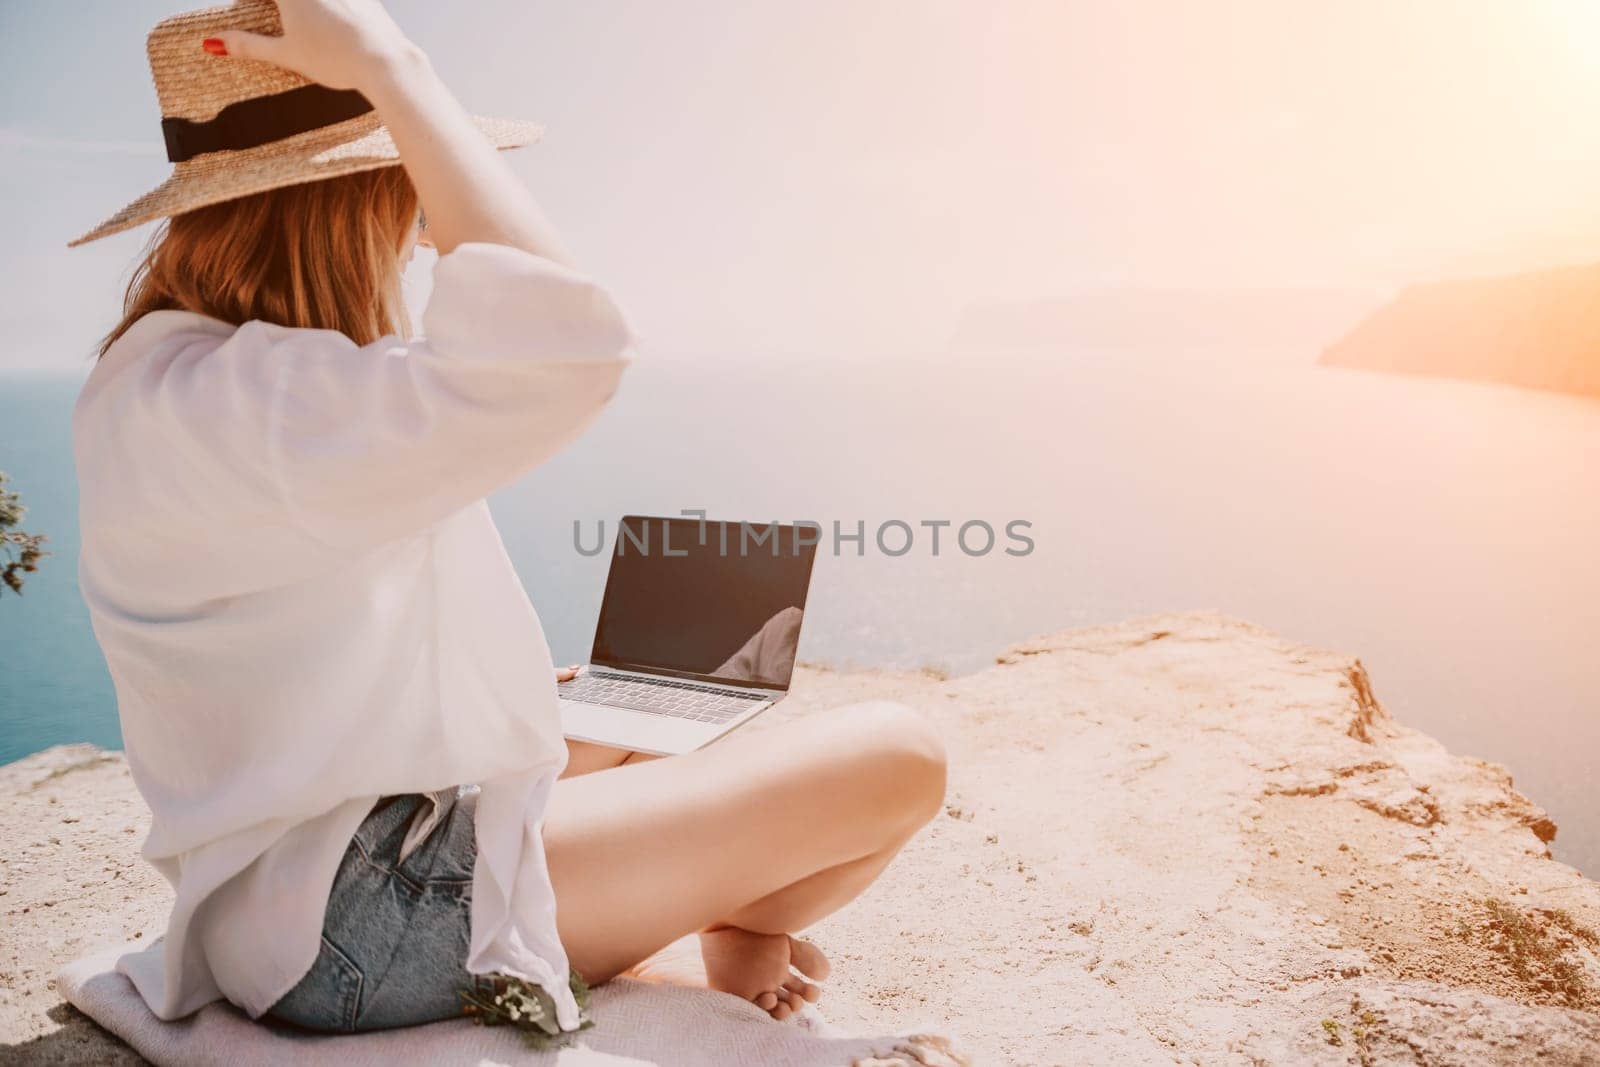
323, 254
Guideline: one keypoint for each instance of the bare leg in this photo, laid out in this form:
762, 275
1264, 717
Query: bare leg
819, 895
584, 757
797, 906
720, 956
773, 829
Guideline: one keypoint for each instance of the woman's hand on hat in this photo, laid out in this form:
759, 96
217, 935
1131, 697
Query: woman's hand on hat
343, 44
471, 194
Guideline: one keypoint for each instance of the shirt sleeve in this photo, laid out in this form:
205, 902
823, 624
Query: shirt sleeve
368, 443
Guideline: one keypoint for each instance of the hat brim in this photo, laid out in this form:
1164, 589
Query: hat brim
359, 144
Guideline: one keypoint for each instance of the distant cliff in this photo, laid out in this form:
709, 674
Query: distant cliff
1540, 330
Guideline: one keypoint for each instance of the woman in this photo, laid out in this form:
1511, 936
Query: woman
314, 631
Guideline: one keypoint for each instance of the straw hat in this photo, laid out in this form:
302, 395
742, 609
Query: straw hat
234, 127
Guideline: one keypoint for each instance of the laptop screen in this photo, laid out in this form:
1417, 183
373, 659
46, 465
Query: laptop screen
717, 601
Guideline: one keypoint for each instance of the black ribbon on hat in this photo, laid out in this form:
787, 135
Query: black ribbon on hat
262, 120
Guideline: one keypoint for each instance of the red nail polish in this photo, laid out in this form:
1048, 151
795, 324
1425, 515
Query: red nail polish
215, 46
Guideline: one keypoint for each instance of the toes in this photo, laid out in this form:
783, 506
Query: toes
782, 1011
767, 1001
803, 990
808, 959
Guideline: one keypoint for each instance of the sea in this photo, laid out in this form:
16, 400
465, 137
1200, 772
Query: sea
1448, 533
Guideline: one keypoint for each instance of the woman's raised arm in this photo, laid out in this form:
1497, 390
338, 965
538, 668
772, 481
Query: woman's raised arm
468, 191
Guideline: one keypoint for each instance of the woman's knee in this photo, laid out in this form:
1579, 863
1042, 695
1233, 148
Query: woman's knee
901, 751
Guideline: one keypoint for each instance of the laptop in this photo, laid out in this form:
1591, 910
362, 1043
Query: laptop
697, 632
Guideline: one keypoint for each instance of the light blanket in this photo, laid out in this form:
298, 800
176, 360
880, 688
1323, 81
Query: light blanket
637, 1023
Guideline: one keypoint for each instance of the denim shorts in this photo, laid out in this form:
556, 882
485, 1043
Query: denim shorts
394, 940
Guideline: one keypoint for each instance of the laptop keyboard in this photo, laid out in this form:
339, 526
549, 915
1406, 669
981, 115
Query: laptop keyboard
679, 700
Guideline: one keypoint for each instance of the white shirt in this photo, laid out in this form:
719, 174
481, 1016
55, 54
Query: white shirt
305, 605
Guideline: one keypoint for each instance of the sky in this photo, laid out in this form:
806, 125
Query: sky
854, 175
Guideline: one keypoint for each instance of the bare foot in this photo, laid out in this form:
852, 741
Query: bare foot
749, 965
757, 968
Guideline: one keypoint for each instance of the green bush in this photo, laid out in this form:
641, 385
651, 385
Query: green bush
20, 552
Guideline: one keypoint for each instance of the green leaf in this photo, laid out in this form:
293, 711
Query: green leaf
535, 1009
